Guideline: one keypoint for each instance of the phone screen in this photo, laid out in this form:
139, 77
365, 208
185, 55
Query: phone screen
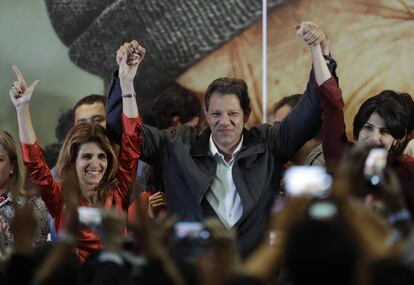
191, 230
312, 181
91, 217
374, 165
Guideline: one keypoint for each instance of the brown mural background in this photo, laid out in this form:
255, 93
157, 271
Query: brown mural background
70, 46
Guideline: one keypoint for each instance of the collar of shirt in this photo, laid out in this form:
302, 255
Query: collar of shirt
214, 150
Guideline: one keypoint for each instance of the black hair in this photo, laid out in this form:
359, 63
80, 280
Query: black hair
291, 101
174, 101
388, 109
89, 100
406, 102
230, 86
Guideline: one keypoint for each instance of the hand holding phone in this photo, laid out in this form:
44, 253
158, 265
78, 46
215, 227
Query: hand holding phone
90, 217
311, 181
375, 165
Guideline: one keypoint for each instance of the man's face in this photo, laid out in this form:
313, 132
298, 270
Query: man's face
226, 120
281, 113
91, 113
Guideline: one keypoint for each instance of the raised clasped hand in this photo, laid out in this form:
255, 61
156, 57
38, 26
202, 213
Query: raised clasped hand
310, 33
128, 57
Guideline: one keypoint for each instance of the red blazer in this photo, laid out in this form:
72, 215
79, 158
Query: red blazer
118, 198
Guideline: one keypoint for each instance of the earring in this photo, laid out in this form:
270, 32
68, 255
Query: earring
11, 172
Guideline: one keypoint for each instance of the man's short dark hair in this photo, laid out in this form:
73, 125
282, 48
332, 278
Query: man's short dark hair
290, 101
89, 100
174, 101
230, 86
388, 109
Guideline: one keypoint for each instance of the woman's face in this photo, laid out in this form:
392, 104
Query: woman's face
6, 167
91, 165
374, 132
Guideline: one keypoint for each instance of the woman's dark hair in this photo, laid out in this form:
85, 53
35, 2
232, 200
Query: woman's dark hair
406, 102
390, 110
230, 86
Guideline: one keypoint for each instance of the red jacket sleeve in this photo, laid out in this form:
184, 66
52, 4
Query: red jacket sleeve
333, 125
128, 157
40, 175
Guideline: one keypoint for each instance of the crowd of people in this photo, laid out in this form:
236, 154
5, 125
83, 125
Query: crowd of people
183, 196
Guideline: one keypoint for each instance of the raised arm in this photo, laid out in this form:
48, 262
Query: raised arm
304, 121
20, 95
315, 38
333, 125
33, 159
128, 57
122, 84
131, 123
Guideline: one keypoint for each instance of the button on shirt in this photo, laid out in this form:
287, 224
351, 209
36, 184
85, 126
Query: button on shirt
222, 195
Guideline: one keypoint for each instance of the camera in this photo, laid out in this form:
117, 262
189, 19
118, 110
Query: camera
311, 181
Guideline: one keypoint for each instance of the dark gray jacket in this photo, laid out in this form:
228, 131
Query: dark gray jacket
188, 168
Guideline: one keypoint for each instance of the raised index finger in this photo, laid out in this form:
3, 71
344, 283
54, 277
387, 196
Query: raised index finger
19, 74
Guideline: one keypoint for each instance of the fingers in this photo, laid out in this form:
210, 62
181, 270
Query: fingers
15, 91
156, 195
304, 27
311, 33
136, 52
17, 86
157, 200
34, 84
14, 96
19, 74
158, 205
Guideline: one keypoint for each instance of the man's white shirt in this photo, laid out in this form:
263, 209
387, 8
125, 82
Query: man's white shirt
222, 194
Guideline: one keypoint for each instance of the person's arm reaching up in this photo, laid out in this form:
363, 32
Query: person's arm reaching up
333, 125
20, 95
128, 57
314, 36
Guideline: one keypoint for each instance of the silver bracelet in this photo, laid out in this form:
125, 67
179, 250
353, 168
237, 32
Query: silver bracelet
129, 95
